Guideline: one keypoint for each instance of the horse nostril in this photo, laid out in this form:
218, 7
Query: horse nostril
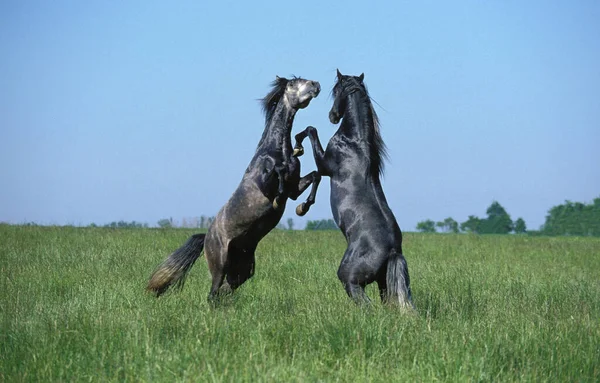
317, 85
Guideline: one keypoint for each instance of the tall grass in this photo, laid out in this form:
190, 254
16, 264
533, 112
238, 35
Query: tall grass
489, 308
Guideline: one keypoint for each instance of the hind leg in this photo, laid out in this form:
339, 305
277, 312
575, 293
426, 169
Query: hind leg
241, 267
354, 283
361, 265
382, 285
218, 268
357, 293
216, 288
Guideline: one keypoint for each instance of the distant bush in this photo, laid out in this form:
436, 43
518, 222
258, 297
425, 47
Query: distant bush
323, 224
123, 224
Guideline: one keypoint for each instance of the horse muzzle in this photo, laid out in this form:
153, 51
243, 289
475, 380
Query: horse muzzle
316, 88
334, 117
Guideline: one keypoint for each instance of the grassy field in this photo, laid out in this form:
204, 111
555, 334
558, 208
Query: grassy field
489, 308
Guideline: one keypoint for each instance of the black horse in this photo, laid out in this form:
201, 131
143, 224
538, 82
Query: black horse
354, 162
257, 204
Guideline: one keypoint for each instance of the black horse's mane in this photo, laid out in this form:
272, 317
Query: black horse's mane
378, 150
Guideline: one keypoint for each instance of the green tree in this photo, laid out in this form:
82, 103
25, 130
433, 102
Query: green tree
448, 225
323, 224
497, 222
427, 226
520, 227
126, 225
573, 218
165, 223
290, 223
471, 225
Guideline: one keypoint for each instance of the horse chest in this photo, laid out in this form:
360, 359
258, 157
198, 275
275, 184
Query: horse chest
340, 149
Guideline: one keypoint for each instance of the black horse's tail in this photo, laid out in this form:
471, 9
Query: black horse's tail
398, 281
174, 269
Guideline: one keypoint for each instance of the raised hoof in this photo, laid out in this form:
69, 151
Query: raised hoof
298, 152
275, 204
300, 209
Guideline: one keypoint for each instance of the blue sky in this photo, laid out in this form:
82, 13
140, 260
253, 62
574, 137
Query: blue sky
143, 110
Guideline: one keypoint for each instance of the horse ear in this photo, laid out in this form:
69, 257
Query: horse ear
339, 75
361, 77
277, 78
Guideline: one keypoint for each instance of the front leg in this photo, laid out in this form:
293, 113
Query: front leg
318, 152
315, 180
298, 148
312, 178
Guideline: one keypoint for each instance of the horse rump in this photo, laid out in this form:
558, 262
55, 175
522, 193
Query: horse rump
398, 281
173, 271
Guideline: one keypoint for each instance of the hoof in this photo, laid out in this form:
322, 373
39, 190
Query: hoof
300, 209
298, 152
275, 204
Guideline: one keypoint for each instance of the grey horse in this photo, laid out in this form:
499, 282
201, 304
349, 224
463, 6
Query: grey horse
257, 204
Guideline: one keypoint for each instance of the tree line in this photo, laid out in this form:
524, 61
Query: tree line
203, 222
123, 225
570, 218
573, 218
498, 221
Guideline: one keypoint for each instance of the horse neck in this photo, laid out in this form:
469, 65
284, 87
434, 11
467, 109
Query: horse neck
359, 126
279, 127
358, 123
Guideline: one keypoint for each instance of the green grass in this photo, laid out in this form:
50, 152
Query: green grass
489, 308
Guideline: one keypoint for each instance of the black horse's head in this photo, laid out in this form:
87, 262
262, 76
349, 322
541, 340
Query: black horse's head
345, 86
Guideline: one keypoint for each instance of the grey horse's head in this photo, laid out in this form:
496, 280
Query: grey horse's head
298, 92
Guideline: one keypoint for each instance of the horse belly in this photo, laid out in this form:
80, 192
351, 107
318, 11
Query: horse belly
356, 211
251, 215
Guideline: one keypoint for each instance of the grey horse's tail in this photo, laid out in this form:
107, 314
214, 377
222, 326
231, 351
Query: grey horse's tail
173, 271
398, 281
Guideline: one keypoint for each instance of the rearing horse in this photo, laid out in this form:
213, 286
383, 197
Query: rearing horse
258, 203
354, 162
